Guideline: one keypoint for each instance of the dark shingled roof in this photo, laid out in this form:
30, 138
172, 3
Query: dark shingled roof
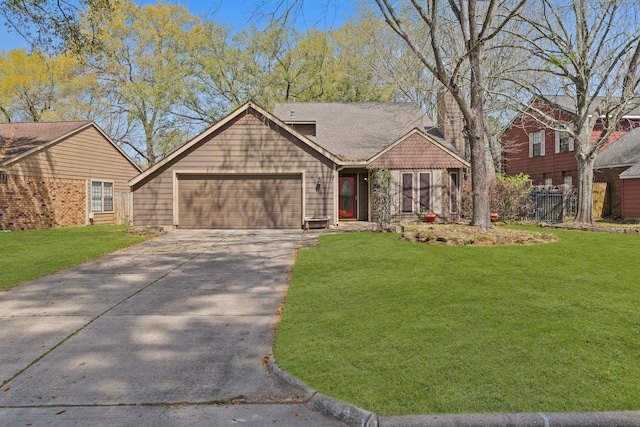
356, 131
625, 151
567, 103
18, 138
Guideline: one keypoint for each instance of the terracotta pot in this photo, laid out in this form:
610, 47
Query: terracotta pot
430, 218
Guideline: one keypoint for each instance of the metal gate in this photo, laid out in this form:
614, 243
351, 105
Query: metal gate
549, 205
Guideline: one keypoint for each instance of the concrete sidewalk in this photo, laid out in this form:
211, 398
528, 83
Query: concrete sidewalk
174, 331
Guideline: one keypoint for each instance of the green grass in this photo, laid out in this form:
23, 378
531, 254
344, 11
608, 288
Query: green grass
30, 254
407, 328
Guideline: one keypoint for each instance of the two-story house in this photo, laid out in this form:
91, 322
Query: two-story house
548, 156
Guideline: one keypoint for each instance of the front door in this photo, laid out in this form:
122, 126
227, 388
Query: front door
347, 198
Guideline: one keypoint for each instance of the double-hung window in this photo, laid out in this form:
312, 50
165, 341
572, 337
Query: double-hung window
536, 144
101, 196
564, 142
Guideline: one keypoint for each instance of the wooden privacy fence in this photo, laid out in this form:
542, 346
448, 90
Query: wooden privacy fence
599, 196
122, 207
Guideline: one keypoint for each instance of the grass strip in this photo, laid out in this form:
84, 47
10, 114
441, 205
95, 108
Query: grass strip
397, 327
30, 254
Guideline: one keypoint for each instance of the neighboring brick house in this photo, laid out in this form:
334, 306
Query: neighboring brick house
619, 166
548, 156
254, 169
58, 174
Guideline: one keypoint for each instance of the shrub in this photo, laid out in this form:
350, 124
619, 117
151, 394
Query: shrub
509, 197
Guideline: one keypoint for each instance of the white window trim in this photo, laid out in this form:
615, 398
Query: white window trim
102, 182
542, 143
571, 144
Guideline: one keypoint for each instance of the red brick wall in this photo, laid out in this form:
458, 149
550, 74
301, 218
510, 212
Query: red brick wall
32, 202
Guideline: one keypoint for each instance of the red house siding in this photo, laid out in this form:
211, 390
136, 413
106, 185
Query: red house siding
551, 165
631, 198
624, 127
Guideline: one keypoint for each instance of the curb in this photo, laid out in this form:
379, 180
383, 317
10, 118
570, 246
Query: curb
345, 412
356, 417
334, 408
552, 419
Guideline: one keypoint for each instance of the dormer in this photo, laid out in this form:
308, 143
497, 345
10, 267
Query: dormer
307, 128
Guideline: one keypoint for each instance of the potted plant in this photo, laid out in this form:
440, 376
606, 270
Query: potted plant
430, 217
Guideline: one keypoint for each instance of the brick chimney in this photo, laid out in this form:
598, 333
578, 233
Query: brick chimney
450, 121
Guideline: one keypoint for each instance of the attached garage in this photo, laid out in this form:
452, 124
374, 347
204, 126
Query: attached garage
249, 170
239, 201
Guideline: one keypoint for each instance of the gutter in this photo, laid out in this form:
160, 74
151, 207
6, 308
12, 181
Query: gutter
613, 166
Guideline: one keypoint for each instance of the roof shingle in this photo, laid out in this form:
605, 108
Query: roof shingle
567, 103
355, 131
416, 152
623, 152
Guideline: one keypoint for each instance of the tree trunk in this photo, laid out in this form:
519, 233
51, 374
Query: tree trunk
151, 156
479, 185
585, 189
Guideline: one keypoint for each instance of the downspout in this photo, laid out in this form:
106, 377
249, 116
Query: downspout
368, 195
336, 190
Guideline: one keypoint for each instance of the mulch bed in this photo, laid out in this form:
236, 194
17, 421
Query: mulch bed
458, 234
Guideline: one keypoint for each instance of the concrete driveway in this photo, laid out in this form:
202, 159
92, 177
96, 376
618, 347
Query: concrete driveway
174, 331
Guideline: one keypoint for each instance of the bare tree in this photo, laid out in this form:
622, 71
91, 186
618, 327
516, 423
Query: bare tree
588, 51
450, 39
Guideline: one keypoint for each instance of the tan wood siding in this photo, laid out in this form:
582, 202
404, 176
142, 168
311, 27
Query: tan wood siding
238, 149
240, 201
439, 193
153, 202
85, 155
103, 218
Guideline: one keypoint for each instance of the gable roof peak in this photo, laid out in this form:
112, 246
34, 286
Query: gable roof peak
356, 131
18, 138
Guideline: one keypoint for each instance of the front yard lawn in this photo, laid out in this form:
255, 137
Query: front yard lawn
398, 327
34, 253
